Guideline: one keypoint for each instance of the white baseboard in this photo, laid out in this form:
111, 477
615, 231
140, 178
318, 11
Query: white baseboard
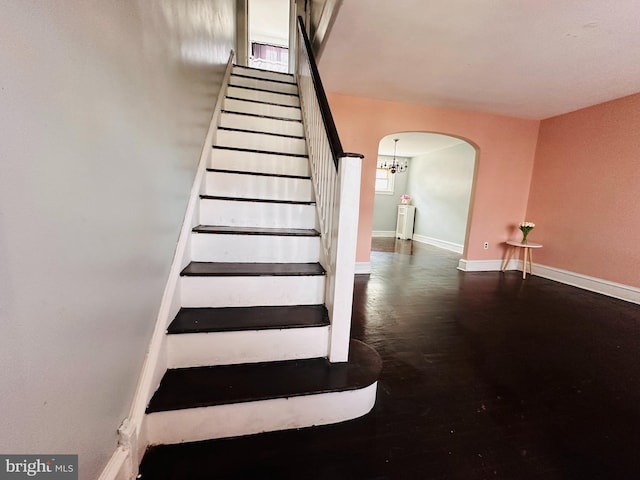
487, 265
384, 233
593, 284
363, 268
453, 247
586, 282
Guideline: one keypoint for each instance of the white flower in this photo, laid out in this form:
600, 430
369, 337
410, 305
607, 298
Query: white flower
527, 225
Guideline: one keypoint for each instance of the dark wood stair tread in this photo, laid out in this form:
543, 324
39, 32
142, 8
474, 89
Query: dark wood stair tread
279, 232
263, 79
231, 319
225, 269
262, 102
262, 70
258, 132
252, 114
258, 174
257, 200
208, 386
262, 152
265, 90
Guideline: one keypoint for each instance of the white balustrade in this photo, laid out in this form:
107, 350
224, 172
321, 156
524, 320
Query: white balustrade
336, 181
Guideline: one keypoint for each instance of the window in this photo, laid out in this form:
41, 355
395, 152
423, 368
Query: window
384, 181
269, 57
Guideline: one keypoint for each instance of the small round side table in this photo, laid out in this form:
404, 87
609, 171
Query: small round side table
527, 255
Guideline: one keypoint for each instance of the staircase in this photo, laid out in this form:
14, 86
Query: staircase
248, 349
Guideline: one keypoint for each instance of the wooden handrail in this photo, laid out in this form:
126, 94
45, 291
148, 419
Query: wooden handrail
330, 126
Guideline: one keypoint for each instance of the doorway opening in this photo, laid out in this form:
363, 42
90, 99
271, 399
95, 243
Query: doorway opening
268, 44
437, 187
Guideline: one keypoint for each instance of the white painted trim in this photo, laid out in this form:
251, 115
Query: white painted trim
250, 291
363, 268
487, 265
133, 441
586, 282
247, 346
452, 247
383, 233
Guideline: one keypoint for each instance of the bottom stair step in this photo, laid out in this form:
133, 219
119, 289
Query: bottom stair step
224, 384
213, 402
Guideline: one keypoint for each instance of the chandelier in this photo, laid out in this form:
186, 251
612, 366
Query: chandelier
395, 165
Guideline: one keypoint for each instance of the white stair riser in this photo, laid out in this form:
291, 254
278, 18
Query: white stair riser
251, 291
262, 96
226, 348
257, 141
235, 105
258, 162
239, 185
207, 247
264, 74
248, 418
263, 84
256, 214
262, 124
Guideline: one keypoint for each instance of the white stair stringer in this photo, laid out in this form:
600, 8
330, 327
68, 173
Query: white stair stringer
266, 187
240, 213
231, 420
229, 348
207, 247
244, 291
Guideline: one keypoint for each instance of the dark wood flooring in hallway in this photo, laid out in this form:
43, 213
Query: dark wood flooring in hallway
485, 376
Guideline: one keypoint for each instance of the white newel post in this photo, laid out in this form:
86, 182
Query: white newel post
339, 292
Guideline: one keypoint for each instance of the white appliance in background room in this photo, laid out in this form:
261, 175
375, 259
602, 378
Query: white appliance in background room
404, 226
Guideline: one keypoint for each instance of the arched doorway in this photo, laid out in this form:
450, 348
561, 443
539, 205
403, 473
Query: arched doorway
438, 179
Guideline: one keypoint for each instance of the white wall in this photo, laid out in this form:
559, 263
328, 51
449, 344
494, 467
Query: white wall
385, 207
440, 188
269, 22
104, 107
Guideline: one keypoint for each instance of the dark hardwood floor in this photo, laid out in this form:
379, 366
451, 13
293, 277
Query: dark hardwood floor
485, 375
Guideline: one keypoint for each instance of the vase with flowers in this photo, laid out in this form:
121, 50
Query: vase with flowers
525, 228
405, 199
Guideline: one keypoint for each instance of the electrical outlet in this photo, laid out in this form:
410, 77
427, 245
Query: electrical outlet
486, 245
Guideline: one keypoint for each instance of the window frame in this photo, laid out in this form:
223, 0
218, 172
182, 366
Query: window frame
390, 178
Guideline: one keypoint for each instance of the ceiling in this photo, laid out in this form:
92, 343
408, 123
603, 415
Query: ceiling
524, 58
411, 144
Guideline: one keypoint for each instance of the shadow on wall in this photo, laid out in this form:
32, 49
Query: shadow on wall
439, 179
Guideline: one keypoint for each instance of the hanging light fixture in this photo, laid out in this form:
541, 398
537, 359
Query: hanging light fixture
395, 165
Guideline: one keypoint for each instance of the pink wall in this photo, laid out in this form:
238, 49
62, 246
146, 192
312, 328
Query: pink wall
585, 189
505, 146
